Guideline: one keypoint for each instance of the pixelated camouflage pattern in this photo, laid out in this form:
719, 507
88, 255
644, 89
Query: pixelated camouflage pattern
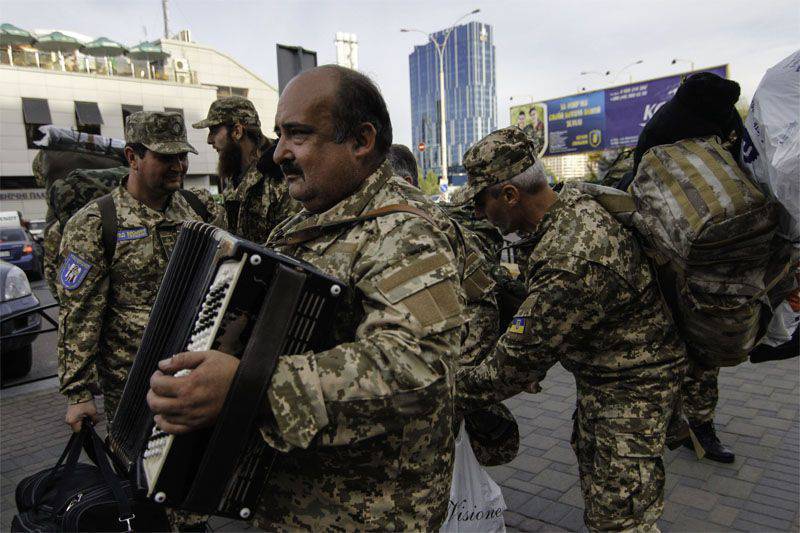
163, 133
489, 238
588, 274
51, 242
263, 202
496, 158
230, 110
366, 427
68, 195
621, 469
102, 320
700, 393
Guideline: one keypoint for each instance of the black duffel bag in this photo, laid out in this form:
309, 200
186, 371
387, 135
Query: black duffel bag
74, 496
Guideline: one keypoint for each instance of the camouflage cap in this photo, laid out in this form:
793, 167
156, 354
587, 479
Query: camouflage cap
230, 110
496, 158
163, 133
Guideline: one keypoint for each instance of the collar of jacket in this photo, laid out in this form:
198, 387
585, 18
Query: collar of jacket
352, 206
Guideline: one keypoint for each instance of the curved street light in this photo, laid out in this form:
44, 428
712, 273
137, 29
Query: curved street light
626, 67
440, 47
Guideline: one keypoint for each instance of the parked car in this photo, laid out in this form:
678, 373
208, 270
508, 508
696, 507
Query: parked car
16, 355
19, 248
36, 227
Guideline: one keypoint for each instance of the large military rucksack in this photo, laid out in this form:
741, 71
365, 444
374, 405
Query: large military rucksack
711, 235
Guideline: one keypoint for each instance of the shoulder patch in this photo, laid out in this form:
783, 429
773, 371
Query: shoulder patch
517, 325
74, 271
131, 234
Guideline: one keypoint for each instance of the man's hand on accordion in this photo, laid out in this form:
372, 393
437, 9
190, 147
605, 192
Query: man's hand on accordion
193, 401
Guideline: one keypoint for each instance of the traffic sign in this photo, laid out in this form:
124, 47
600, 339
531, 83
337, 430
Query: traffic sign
421, 147
443, 187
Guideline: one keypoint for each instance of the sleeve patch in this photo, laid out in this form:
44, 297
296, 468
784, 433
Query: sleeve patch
74, 271
131, 234
517, 325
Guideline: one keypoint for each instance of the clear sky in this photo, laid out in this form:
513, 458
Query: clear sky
541, 46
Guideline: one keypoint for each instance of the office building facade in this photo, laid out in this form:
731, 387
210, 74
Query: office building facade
470, 96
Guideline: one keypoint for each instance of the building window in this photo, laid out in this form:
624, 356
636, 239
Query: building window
35, 113
231, 91
128, 109
88, 118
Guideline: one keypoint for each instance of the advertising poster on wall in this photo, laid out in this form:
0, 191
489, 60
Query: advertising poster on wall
598, 120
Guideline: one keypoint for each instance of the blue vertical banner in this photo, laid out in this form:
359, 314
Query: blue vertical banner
605, 119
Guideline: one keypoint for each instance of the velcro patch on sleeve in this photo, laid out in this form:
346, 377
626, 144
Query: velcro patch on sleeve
131, 234
74, 271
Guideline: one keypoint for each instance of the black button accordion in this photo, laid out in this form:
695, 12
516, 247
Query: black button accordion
224, 293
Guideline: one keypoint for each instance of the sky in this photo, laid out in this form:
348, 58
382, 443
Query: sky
541, 46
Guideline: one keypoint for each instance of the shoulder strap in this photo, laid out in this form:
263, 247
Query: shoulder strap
196, 204
108, 220
313, 232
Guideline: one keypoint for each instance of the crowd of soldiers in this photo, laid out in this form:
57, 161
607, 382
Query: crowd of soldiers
366, 428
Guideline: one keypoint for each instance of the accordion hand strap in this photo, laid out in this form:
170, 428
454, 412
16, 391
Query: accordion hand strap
314, 232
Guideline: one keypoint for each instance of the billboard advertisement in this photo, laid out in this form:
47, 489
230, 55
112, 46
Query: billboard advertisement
598, 120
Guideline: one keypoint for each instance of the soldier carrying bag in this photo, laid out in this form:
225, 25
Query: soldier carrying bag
74, 496
711, 235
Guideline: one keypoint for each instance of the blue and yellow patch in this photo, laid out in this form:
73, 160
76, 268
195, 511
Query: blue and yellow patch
517, 325
131, 234
74, 271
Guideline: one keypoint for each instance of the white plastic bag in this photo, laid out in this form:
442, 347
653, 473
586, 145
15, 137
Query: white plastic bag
476, 502
771, 147
784, 321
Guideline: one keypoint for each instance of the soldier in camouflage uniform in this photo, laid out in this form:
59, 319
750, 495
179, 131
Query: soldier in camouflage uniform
585, 274
365, 428
105, 306
256, 199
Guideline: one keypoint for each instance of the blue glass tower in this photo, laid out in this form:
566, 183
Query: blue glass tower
470, 97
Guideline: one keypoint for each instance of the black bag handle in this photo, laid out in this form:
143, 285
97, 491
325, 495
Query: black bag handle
101, 459
72, 449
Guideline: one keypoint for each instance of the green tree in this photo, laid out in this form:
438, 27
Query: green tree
429, 184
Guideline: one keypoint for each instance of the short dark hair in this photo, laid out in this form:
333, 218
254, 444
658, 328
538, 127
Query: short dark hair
403, 162
138, 148
359, 100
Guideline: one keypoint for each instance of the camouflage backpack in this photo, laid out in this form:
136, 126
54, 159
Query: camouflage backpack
711, 235
69, 194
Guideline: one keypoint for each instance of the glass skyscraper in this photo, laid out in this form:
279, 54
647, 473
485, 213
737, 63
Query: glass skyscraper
470, 98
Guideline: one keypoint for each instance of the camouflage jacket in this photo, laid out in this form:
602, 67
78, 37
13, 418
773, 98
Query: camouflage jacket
51, 244
104, 308
258, 203
593, 306
489, 239
368, 423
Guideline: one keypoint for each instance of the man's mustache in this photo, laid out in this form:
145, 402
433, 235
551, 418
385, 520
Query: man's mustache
291, 168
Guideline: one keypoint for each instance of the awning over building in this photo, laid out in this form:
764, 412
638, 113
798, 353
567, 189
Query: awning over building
131, 108
88, 114
36, 111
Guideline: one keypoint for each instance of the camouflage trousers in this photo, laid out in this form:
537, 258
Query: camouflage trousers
621, 470
700, 393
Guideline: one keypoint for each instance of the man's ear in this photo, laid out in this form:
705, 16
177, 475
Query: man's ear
130, 157
237, 132
510, 194
364, 139
409, 179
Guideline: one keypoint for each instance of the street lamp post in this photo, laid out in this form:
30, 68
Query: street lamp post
440, 48
626, 67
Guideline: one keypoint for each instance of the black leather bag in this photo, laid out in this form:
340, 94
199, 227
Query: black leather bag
74, 496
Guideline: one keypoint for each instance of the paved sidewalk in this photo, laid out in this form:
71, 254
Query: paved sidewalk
757, 417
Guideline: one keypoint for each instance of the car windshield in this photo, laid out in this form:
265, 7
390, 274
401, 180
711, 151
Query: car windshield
12, 235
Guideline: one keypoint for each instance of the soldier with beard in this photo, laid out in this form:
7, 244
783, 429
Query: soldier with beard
255, 194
